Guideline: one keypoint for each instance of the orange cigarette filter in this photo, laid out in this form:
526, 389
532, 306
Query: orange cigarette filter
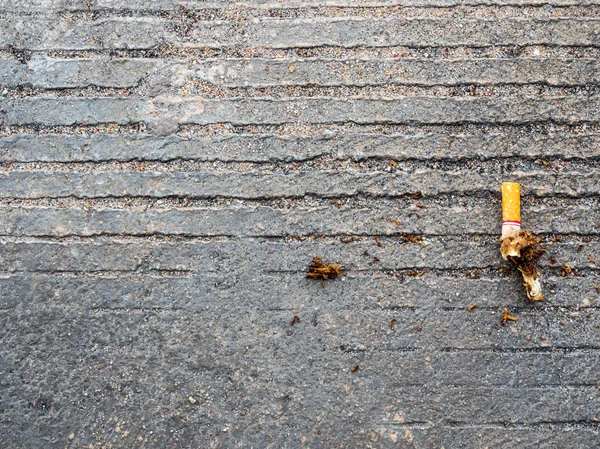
511, 208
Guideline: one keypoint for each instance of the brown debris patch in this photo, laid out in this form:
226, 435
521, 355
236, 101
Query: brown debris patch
471, 307
349, 239
475, 274
354, 368
393, 322
295, 320
412, 238
520, 251
323, 271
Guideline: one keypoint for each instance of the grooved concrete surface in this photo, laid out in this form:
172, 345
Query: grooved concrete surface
169, 169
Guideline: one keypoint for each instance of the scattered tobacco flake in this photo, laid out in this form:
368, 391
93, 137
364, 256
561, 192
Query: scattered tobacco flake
507, 317
555, 239
417, 195
566, 270
393, 322
295, 320
419, 328
591, 259
395, 220
378, 242
597, 287
324, 271
586, 239
553, 260
349, 239
521, 252
471, 307
354, 368
412, 273
415, 214
412, 238
420, 206
376, 259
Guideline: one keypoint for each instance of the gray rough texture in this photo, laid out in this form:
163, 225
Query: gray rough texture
168, 169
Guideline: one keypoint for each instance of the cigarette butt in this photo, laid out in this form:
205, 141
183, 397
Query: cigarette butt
511, 208
518, 247
471, 307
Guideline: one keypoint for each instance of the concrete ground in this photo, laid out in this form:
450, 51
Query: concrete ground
168, 170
